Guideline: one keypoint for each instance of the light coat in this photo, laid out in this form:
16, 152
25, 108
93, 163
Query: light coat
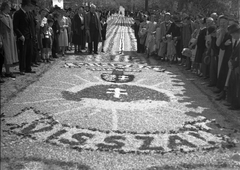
9, 41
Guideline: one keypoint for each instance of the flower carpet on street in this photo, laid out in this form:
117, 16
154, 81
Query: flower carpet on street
114, 111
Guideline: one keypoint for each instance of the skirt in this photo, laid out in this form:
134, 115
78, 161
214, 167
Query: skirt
63, 38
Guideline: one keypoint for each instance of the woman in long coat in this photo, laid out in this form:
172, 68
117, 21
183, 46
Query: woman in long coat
63, 37
9, 42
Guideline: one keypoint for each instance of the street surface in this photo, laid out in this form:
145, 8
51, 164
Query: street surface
117, 111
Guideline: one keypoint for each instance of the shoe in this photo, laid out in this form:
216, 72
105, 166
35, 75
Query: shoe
233, 108
34, 65
1, 81
55, 56
211, 85
221, 97
217, 91
227, 104
10, 75
96, 53
30, 71
205, 78
22, 73
50, 59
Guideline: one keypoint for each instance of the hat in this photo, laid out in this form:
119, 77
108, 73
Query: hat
26, 2
211, 29
233, 28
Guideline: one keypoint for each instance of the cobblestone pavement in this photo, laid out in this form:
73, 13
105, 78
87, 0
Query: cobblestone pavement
115, 111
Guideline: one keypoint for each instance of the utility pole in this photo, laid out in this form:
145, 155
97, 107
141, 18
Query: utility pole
146, 5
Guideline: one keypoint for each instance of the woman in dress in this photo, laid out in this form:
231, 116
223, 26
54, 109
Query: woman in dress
8, 38
63, 37
151, 32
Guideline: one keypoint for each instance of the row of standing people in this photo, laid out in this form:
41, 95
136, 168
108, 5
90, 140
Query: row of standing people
32, 35
209, 47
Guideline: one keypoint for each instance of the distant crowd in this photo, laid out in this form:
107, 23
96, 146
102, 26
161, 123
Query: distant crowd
207, 46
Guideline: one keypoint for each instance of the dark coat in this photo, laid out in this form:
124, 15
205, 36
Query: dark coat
87, 25
224, 67
21, 24
201, 45
234, 82
78, 32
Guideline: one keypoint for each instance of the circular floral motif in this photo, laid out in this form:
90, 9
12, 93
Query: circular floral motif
118, 93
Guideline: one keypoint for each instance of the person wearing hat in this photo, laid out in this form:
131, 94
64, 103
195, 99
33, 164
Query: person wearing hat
176, 31
8, 39
33, 26
211, 57
164, 27
22, 29
233, 91
78, 30
227, 47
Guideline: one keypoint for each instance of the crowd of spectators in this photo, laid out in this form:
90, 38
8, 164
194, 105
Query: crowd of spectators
33, 35
207, 46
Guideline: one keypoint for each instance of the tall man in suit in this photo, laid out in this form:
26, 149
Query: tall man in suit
22, 28
93, 29
234, 65
33, 26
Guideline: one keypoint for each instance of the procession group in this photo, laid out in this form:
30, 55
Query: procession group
33, 35
207, 46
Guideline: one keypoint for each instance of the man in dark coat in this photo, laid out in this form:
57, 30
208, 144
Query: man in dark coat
78, 30
136, 27
226, 45
234, 65
176, 31
22, 28
213, 53
93, 29
33, 26
56, 32
1, 59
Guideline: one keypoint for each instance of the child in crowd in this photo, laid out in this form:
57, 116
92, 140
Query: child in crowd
47, 38
104, 31
171, 49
